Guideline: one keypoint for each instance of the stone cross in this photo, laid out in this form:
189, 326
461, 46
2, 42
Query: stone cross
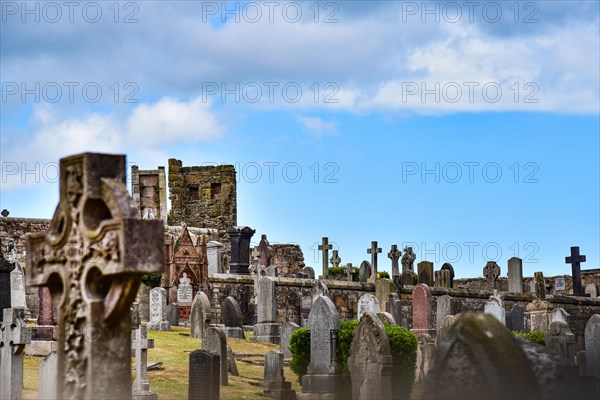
373, 251
139, 346
6, 268
93, 257
14, 337
575, 260
394, 255
5, 213
408, 259
325, 247
349, 272
335, 259
491, 271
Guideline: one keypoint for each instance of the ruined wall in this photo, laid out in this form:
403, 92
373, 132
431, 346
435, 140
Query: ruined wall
16, 228
149, 192
202, 196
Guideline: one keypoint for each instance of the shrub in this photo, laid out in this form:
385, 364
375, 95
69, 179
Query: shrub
403, 345
151, 280
337, 272
384, 274
534, 336
300, 349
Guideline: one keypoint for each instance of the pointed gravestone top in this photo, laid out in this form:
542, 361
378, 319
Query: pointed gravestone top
575, 259
93, 257
323, 319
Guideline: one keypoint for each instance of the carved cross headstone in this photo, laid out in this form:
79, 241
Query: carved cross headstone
140, 345
335, 259
491, 271
575, 259
14, 337
325, 247
93, 257
408, 259
373, 251
394, 255
349, 272
5, 213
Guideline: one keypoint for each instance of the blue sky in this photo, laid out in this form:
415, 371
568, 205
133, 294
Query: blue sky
468, 130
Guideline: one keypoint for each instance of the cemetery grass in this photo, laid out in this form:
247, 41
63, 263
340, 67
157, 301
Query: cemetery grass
171, 380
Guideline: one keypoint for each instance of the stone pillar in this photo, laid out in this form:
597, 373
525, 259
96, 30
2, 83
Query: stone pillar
515, 275
240, 249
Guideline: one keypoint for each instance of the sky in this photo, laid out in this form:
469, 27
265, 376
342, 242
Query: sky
467, 130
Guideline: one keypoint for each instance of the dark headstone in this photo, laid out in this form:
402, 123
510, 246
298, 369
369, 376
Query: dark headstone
173, 314
515, 319
5, 213
364, 272
408, 277
309, 272
425, 270
491, 272
335, 259
575, 259
231, 314
240, 249
204, 375
449, 267
6, 268
408, 259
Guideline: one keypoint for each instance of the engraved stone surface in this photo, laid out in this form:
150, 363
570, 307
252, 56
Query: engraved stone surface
422, 310
215, 340
286, 333
515, 319
13, 338
444, 308
383, 288
394, 255
592, 345
158, 310
367, 303
232, 318
200, 315
204, 375
491, 272
140, 345
425, 270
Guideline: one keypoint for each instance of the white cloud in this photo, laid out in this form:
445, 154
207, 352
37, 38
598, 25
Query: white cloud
318, 126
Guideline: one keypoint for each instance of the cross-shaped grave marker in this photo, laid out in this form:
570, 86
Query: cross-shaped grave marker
575, 259
140, 345
394, 255
92, 258
325, 247
335, 259
373, 251
14, 337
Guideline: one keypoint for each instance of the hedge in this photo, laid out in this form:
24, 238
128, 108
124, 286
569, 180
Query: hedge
534, 336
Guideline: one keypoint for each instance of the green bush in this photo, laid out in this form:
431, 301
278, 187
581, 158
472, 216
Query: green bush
384, 274
337, 272
151, 280
534, 336
403, 346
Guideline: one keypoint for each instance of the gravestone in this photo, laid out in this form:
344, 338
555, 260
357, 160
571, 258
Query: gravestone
310, 272
515, 319
449, 267
215, 340
421, 309
364, 272
232, 318
560, 284
559, 339
48, 377
394, 255
6, 268
323, 376
590, 290
274, 382
383, 288
349, 272
515, 275
200, 315
444, 308
158, 310
240, 249
173, 314
134, 312
408, 259
204, 375
444, 328
13, 338
318, 289
335, 259
425, 269
265, 251
140, 345
185, 293
373, 251
408, 277
17, 287
45, 330
367, 303
370, 361
98, 246
271, 271
386, 317
286, 333
267, 329
325, 247
538, 314
394, 307
442, 278
425, 350
480, 359
575, 259
213, 254
540, 285
305, 307
592, 346
491, 272
495, 307
231, 363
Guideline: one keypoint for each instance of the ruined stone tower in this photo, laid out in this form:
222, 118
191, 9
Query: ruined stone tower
202, 196
149, 192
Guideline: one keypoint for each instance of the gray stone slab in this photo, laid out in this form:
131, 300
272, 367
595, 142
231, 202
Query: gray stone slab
200, 315
367, 303
204, 375
515, 275
214, 340
286, 333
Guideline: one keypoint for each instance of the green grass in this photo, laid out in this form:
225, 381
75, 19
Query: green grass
171, 381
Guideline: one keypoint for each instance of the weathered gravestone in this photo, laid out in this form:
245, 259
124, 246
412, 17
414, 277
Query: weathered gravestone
14, 337
232, 318
93, 257
480, 359
367, 303
310, 272
267, 329
173, 314
204, 375
318, 289
444, 328
6, 268
425, 350
213, 253
425, 270
335, 259
590, 289
408, 259
370, 361
491, 272
349, 272
323, 376
540, 285
559, 339
325, 247
394, 307
442, 278
383, 288
158, 310
215, 340
394, 255
286, 333
274, 382
445, 307
231, 362
408, 277
140, 345
515, 319
592, 345
17, 287
200, 315
450, 268
575, 259
239, 237
364, 271
373, 251
47, 379
305, 307
495, 307
386, 317
422, 310
537, 315
515, 275
560, 284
